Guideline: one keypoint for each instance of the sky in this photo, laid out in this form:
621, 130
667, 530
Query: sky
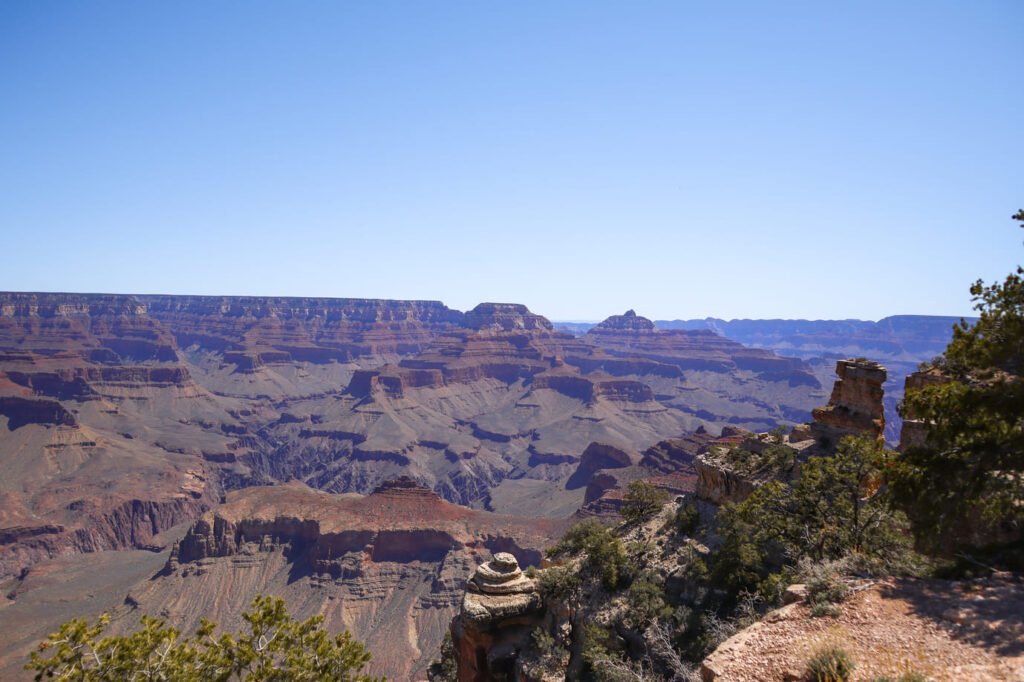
685, 159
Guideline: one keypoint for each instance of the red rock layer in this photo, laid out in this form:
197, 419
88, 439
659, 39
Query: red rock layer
634, 336
391, 567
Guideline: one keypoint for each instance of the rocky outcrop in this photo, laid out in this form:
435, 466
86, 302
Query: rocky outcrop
674, 454
500, 608
855, 407
717, 483
128, 525
914, 432
598, 456
697, 350
391, 567
589, 391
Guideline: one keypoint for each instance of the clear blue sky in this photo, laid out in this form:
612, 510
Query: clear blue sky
733, 159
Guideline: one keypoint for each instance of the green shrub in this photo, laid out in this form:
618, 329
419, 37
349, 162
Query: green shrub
646, 603
642, 501
549, 655
558, 583
825, 585
602, 665
605, 556
834, 509
444, 668
697, 569
687, 519
830, 663
274, 646
771, 588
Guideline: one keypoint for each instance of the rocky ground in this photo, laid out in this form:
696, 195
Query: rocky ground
962, 631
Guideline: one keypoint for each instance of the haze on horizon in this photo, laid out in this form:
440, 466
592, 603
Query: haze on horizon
735, 160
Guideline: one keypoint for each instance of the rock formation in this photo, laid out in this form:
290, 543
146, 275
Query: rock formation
674, 454
499, 610
506, 317
391, 566
717, 483
856, 405
701, 350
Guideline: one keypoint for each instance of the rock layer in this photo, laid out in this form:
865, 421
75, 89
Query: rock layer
391, 567
856, 405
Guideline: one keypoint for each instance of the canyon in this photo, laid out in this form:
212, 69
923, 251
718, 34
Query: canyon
359, 457
123, 416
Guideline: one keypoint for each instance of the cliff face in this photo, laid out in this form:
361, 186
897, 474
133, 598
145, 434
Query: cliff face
80, 378
391, 567
856, 405
718, 484
254, 331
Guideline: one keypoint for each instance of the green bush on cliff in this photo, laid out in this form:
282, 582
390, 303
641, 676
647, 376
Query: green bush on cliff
444, 668
646, 602
642, 501
604, 554
558, 583
687, 519
275, 648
